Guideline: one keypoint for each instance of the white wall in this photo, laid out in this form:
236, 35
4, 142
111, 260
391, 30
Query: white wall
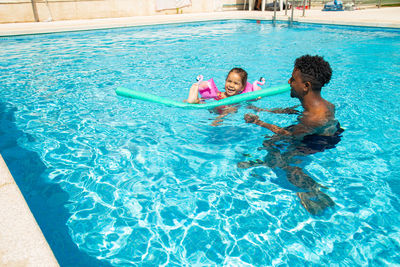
22, 11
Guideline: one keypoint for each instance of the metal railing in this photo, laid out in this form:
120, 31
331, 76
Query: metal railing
306, 4
249, 5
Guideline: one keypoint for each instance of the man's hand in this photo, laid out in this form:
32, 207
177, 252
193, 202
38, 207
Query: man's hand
250, 118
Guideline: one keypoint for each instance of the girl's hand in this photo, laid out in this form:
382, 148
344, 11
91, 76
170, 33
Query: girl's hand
193, 97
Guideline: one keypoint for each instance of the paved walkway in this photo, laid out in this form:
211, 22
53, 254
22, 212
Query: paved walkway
378, 17
21, 241
382, 17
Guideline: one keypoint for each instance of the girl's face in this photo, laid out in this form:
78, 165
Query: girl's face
233, 84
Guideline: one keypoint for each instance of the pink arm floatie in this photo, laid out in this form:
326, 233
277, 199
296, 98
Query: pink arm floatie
208, 89
253, 87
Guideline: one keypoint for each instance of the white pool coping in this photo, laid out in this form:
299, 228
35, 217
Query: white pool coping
21, 241
373, 17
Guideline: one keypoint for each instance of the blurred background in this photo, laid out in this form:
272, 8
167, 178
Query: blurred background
53, 10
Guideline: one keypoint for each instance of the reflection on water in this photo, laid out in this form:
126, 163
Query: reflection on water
144, 184
46, 200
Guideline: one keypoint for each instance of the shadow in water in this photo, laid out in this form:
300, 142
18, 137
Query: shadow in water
46, 200
287, 156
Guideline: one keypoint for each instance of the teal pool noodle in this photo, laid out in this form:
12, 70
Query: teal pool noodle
122, 91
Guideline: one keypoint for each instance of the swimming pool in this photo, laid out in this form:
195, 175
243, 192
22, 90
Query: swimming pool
130, 182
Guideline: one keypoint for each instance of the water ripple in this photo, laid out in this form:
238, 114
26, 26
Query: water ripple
150, 185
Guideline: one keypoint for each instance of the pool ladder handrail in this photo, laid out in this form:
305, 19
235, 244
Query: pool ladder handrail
293, 6
286, 8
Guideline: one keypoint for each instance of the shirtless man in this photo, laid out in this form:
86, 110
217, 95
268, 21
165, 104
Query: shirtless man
315, 131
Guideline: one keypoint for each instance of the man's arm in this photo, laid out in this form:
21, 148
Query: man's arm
251, 118
297, 130
290, 110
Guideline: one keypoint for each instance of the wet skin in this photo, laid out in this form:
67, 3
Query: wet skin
316, 125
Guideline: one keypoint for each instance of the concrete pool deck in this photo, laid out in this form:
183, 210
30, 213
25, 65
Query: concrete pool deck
21, 241
373, 17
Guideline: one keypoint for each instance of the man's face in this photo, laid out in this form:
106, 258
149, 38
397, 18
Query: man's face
297, 85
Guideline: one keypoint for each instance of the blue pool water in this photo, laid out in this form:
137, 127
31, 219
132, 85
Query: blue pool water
115, 181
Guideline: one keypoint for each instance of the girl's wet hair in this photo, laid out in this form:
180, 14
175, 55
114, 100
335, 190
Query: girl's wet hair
242, 73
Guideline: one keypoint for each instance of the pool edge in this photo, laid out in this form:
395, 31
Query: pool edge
364, 18
22, 243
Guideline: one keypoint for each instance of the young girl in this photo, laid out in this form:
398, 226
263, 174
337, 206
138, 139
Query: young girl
235, 83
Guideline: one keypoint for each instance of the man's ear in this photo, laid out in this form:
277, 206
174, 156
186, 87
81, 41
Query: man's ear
307, 87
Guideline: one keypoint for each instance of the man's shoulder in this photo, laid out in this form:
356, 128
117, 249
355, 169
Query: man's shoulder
315, 119
322, 114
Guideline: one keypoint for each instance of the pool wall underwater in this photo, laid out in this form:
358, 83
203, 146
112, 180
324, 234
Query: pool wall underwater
21, 162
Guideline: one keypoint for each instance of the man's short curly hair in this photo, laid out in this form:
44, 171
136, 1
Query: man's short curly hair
314, 69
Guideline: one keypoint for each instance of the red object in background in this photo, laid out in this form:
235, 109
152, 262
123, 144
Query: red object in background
301, 7
258, 22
